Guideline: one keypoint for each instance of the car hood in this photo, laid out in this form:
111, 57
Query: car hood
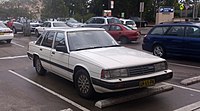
116, 57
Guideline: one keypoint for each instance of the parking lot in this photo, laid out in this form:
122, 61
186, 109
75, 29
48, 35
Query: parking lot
23, 89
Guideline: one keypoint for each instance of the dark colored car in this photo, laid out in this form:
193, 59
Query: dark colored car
122, 33
138, 20
180, 39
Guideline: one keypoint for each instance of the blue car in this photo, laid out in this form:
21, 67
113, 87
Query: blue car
180, 39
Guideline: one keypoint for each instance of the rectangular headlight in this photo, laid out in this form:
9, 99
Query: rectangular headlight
160, 66
114, 73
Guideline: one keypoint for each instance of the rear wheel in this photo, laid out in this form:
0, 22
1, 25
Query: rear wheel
14, 30
8, 41
124, 40
38, 66
83, 84
159, 51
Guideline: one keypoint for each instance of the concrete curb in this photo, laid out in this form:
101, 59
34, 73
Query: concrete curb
190, 81
148, 92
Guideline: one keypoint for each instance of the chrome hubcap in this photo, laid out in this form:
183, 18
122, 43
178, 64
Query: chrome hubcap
83, 84
158, 51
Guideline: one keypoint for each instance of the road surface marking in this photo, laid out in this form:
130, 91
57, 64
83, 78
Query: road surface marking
125, 98
50, 91
190, 81
195, 90
13, 57
17, 44
69, 109
190, 66
191, 107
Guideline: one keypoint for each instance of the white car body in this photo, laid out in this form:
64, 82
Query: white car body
129, 23
5, 33
48, 24
98, 61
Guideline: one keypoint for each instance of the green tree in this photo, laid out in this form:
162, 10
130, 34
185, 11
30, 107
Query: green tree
54, 9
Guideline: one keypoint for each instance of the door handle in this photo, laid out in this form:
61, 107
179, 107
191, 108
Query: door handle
40, 49
53, 52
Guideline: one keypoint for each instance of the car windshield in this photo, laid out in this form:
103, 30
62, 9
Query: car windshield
71, 20
2, 25
84, 40
114, 20
59, 25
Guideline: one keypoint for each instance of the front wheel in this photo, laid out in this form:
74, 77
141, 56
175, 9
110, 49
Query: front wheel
159, 51
83, 84
38, 66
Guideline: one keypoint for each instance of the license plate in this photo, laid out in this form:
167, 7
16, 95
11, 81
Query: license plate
146, 83
1, 33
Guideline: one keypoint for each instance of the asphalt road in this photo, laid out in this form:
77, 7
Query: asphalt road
23, 90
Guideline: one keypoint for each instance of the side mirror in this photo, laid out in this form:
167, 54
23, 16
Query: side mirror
61, 48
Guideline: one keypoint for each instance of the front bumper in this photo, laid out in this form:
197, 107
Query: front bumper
130, 83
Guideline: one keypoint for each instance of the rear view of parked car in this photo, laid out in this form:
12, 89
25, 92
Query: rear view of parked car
180, 39
5, 33
129, 22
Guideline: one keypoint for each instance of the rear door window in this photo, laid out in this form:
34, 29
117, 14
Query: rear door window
159, 30
176, 31
48, 39
192, 32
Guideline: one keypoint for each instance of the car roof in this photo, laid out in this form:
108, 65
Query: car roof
75, 29
55, 21
104, 17
126, 19
179, 23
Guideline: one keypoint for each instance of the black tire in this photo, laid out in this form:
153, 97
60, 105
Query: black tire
8, 41
37, 33
14, 30
83, 84
124, 40
159, 51
38, 66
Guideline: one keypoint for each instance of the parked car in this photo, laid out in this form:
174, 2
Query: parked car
180, 39
17, 27
122, 33
129, 22
49, 24
5, 33
94, 61
139, 21
73, 23
100, 21
34, 25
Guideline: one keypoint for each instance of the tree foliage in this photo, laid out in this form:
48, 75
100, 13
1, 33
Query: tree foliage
54, 9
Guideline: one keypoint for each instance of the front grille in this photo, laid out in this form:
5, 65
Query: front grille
141, 70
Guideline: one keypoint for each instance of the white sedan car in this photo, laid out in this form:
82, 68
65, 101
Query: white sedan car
94, 61
49, 24
5, 33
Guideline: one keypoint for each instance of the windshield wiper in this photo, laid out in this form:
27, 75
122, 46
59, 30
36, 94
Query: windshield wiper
113, 46
88, 48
